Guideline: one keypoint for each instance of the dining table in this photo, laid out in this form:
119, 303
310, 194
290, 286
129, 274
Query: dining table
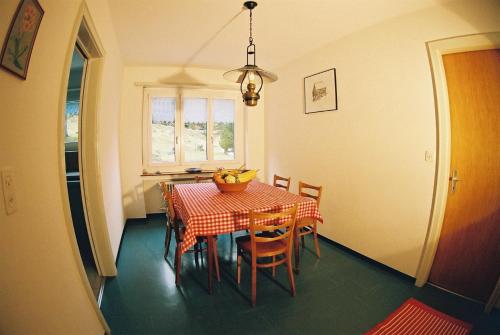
207, 212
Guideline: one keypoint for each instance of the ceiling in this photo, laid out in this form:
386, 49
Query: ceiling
214, 33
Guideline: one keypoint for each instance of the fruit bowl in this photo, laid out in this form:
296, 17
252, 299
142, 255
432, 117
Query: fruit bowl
232, 188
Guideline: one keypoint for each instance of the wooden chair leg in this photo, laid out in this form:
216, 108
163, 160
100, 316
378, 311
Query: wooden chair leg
296, 249
197, 249
178, 257
316, 242
210, 262
168, 238
274, 267
290, 275
238, 267
254, 285
216, 260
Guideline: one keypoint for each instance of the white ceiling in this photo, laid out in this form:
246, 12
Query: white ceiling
214, 33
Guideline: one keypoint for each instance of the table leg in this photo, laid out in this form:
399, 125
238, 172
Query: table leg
210, 253
296, 250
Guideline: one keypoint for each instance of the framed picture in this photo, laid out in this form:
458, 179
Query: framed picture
320, 92
18, 44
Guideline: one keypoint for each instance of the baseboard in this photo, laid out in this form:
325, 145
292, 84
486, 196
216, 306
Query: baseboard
365, 258
133, 221
127, 222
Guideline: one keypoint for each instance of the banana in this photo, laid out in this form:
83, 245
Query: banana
235, 175
247, 176
231, 172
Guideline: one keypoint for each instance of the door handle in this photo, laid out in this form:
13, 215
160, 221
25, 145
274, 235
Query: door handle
454, 180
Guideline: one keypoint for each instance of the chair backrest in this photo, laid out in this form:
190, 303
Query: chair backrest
164, 190
281, 182
167, 197
271, 222
200, 179
310, 191
169, 209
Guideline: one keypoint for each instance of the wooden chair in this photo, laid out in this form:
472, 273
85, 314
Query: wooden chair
200, 179
268, 244
306, 226
170, 214
281, 182
175, 224
169, 227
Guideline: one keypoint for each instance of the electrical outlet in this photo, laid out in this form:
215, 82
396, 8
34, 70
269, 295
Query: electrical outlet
9, 191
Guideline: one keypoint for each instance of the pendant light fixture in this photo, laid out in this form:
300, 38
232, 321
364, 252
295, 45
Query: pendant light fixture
250, 74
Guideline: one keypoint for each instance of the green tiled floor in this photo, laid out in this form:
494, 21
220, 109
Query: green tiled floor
338, 294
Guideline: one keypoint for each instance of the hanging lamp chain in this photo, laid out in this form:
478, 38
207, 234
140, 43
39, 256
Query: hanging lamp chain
250, 39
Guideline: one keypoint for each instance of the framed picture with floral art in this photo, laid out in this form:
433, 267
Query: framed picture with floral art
18, 44
320, 92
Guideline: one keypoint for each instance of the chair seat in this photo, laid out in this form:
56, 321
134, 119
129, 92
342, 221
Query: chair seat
267, 248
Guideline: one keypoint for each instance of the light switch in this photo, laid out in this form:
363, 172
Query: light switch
9, 190
429, 156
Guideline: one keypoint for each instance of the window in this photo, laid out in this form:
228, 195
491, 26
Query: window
163, 130
194, 139
186, 128
71, 129
223, 133
72, 114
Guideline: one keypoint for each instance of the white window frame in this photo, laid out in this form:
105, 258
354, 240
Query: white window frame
179, 94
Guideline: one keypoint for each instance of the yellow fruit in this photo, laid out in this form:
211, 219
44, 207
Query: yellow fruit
247, 176
233, 172
230, 179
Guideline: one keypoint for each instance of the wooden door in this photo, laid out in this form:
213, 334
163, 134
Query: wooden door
467, 260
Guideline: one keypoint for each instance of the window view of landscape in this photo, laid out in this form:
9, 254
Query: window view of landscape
195, 129
163, 130
72, 111
194, 136
223, 133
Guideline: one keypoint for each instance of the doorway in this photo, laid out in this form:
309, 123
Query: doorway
72, 153
447, 181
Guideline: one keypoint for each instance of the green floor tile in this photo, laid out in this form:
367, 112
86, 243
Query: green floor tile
341, 293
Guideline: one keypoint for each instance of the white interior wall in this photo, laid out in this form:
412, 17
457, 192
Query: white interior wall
139, 197
369, 155
109, 127
41, 288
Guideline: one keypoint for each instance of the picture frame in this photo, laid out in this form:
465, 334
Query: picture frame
20, 39
320, 92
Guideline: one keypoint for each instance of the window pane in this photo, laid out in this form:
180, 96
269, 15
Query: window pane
223, 111
195, 130
72, 111
163, 130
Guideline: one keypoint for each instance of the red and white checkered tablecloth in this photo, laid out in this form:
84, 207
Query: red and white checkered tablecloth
206, 211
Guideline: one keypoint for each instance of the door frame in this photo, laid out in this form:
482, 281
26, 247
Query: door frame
435, 50
85, 34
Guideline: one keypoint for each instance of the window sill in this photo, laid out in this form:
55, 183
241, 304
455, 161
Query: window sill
153, 174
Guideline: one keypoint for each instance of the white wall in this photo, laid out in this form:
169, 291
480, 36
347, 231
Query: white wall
42, 291
110, 124
369, 155
137, 197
